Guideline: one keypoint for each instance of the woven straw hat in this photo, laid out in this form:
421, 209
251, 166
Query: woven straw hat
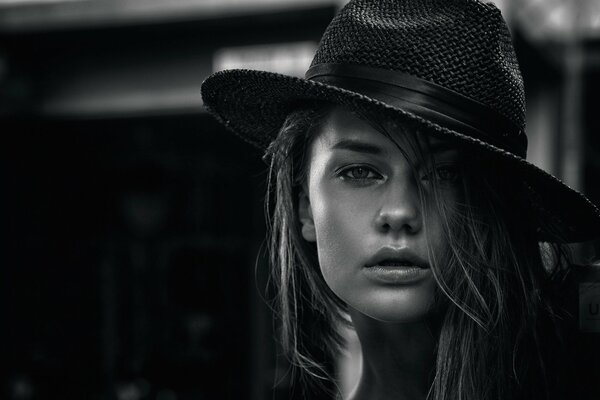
445, 65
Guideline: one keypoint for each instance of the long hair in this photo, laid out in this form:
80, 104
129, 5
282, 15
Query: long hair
493, 288
310, 313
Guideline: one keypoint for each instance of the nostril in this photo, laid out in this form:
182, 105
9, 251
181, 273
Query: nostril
402, 221
400, 210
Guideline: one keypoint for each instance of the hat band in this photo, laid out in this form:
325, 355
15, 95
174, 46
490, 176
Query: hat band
427, 100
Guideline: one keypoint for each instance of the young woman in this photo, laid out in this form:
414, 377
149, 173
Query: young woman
402, 205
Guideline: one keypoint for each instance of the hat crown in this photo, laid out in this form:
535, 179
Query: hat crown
463, 45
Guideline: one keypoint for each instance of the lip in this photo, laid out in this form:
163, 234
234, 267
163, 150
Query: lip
415, 269
402, 255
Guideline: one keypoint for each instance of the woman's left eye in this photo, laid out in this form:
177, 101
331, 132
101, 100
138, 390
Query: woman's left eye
444, 173
359, 173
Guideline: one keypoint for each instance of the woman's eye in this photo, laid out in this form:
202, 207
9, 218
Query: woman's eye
444, 173
359, 173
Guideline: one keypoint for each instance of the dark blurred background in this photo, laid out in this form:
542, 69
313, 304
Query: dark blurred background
132, 221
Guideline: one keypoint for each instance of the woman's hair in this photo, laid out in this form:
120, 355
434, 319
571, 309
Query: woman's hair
494, 285
310, 313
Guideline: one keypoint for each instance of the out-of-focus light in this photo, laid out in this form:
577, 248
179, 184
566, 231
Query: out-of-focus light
284, 58
21, 388
590, 19
595, 21
560, 18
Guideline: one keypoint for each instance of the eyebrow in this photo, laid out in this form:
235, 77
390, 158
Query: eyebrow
358, 146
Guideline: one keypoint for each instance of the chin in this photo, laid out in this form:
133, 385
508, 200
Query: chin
395, 316
397, 305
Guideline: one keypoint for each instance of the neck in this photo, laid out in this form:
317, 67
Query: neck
398, 359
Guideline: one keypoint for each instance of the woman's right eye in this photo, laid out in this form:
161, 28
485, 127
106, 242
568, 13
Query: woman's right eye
359, 173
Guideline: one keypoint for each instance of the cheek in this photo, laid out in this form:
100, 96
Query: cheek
340, 229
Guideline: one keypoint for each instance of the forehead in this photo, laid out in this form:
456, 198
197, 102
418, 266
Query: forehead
343, 129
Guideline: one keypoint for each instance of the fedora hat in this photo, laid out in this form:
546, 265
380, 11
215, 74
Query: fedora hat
447, 66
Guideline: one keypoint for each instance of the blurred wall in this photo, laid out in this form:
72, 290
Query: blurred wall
133, 220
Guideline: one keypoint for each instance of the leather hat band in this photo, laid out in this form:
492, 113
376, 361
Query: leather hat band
432, 102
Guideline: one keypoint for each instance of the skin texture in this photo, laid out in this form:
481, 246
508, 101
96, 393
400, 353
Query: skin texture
362, 196
358, 202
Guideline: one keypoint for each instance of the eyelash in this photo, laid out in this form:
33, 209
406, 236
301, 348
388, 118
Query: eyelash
447, 167
344, 173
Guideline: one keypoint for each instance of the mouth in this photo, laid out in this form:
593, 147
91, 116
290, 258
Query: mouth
397, 267
389, 257
398, 263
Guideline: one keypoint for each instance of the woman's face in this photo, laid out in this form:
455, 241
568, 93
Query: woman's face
361, 206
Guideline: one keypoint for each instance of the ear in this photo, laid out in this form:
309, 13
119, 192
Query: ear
306, 218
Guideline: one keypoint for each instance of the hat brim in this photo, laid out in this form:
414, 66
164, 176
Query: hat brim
254, 105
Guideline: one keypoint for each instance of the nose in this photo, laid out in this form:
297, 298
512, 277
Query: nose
400, 208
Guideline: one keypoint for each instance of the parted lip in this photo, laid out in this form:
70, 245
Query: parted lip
400, 256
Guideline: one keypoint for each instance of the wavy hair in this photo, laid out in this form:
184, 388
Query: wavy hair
494, 288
